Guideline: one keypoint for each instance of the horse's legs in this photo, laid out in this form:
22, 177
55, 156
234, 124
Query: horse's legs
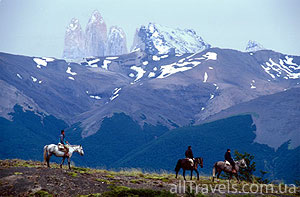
184, 174
69, 163
62, 162
237, 177
48, 160
230, 177
218, 173
176, 174
197, 174
191, 174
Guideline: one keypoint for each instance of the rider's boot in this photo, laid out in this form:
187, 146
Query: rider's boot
66, 153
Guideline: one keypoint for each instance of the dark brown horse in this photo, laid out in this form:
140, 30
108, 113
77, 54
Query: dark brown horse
185, 164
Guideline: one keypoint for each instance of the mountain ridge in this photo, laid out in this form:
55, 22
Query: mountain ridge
134, 100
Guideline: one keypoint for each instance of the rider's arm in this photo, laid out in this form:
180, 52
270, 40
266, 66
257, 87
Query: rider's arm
65, 141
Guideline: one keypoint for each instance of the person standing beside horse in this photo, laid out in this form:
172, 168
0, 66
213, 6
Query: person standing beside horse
64, 142
189, 155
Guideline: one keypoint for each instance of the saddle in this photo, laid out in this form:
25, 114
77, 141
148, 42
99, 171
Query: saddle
229, 166
61, 147
227, 163
191, 161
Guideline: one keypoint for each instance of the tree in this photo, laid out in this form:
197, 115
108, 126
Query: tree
261, 178
246, 174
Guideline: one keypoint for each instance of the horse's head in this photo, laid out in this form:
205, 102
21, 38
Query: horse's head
79, 149
242, 163
199, 160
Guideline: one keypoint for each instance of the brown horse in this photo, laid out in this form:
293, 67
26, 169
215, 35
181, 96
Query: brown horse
185, 164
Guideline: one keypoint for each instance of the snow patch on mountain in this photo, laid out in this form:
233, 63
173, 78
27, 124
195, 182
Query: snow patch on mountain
210, 56
105, 64
205, 77
70, 72
19, 76
252, 84
117, 90
167, 70
34, 79
289, 60
115, 93
40, 62
111, 58
140, 72
286, 68
95, 97
48, 59
92, 63
151, 74
155, 58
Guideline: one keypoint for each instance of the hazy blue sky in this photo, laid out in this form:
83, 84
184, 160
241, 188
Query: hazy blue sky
37, 27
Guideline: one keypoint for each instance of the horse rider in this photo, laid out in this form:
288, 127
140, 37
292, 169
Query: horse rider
230, 160
189, 155
65, 143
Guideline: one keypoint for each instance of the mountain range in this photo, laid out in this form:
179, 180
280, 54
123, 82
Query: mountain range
143, 108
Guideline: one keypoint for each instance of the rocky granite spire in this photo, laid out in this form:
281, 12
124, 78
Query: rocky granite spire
74, 41
96, 35
116, 43
253, 46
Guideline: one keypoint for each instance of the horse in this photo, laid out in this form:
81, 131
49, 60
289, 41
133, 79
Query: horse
222, 166
185, 164
53, 149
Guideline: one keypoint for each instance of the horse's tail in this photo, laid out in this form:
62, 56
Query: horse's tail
214, 170
45, 153
178, 165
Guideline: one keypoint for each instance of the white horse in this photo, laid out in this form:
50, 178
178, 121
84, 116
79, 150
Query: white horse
52, 149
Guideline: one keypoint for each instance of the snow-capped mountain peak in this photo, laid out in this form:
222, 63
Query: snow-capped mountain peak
253, 46
159, 39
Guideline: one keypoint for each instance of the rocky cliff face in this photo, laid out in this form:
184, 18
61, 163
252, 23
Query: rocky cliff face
96, 35
74, 41
158, 39
116, 43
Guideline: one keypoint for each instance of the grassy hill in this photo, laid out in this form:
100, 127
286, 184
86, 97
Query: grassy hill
32, 178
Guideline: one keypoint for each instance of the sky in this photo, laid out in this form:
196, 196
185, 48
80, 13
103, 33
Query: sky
37, 27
